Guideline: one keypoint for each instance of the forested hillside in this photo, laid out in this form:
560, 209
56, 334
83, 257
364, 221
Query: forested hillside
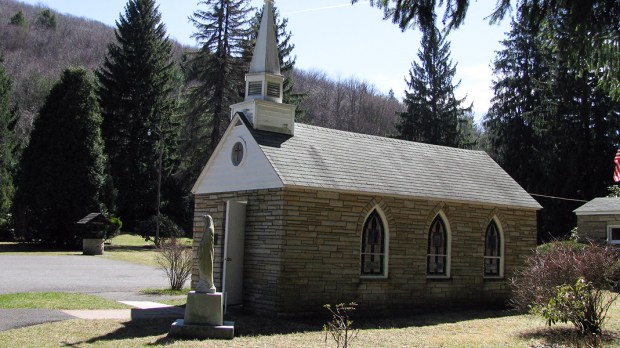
35, 54
348, 104
153, 122
553, 124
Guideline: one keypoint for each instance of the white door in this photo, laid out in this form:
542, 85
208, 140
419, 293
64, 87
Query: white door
234, 238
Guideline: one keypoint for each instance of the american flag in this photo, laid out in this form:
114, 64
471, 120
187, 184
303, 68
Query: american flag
617, 170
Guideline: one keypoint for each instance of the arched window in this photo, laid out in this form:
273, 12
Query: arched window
437, 256
373, 246
493, 251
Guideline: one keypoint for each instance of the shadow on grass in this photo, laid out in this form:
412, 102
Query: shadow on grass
13, 247
250, 325
568, 336
145, 247
132, 329
406, 320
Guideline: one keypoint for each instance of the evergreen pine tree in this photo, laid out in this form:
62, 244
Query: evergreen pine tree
47, 19
433, 112
18, 19
61, 175
216, 72
514, 120
8, 145
550, 126
136, 94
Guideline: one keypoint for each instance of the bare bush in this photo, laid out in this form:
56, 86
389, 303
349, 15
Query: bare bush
340, 327
176, 260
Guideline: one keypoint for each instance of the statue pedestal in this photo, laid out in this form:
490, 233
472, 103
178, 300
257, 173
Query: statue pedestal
204, 318
204, 309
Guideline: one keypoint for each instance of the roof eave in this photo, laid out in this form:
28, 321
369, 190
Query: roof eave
533, 207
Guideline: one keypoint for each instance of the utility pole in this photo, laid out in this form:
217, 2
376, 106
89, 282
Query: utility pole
161, 155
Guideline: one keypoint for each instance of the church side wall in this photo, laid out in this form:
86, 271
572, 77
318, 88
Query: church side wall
262, 242
321, 252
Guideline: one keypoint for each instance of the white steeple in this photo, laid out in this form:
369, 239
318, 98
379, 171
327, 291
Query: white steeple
265, 57
264, 82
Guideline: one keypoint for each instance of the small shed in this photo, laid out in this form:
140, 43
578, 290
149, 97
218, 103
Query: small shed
599, 220
94, 227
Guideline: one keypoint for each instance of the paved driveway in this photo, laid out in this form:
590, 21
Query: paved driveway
83, 274
111, 279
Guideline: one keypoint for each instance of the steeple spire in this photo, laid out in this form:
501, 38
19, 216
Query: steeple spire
265, 57
264, 83
264, 80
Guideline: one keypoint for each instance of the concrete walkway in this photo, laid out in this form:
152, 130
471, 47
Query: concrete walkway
16, 318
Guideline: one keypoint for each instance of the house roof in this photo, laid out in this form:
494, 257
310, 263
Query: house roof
600, 206
344, 161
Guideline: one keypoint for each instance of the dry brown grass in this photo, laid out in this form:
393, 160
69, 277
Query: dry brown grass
449, 329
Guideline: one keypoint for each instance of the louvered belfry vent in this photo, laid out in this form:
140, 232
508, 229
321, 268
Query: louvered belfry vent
273, 89
263, 106
255, 88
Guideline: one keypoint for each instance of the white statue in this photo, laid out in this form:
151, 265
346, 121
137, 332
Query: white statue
205, 258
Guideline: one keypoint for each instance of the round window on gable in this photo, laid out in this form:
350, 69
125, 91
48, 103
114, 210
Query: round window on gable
238, 151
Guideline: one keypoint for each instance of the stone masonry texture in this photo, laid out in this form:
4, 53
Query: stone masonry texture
302, 250
594, 227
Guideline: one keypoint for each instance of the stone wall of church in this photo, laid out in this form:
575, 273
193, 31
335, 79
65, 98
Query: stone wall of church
321, 252
302, 250
263, 242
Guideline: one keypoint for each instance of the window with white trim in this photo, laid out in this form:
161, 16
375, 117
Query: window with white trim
373, 246
613, 234
493, 251
437, 255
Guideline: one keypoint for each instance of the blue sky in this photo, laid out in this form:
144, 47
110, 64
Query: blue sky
343, 40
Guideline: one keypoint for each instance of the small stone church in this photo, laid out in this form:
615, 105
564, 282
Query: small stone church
307, 215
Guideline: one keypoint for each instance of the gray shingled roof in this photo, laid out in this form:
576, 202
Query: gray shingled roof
601, 205
336, 160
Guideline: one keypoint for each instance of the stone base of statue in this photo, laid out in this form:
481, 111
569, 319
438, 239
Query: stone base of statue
204, 318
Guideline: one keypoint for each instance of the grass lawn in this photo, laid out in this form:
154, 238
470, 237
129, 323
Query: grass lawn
57, 300
124, 247
446, 329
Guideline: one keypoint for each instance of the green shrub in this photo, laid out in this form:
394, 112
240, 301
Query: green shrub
581, 304
167, 228
571, 244
114, 228
6, 230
